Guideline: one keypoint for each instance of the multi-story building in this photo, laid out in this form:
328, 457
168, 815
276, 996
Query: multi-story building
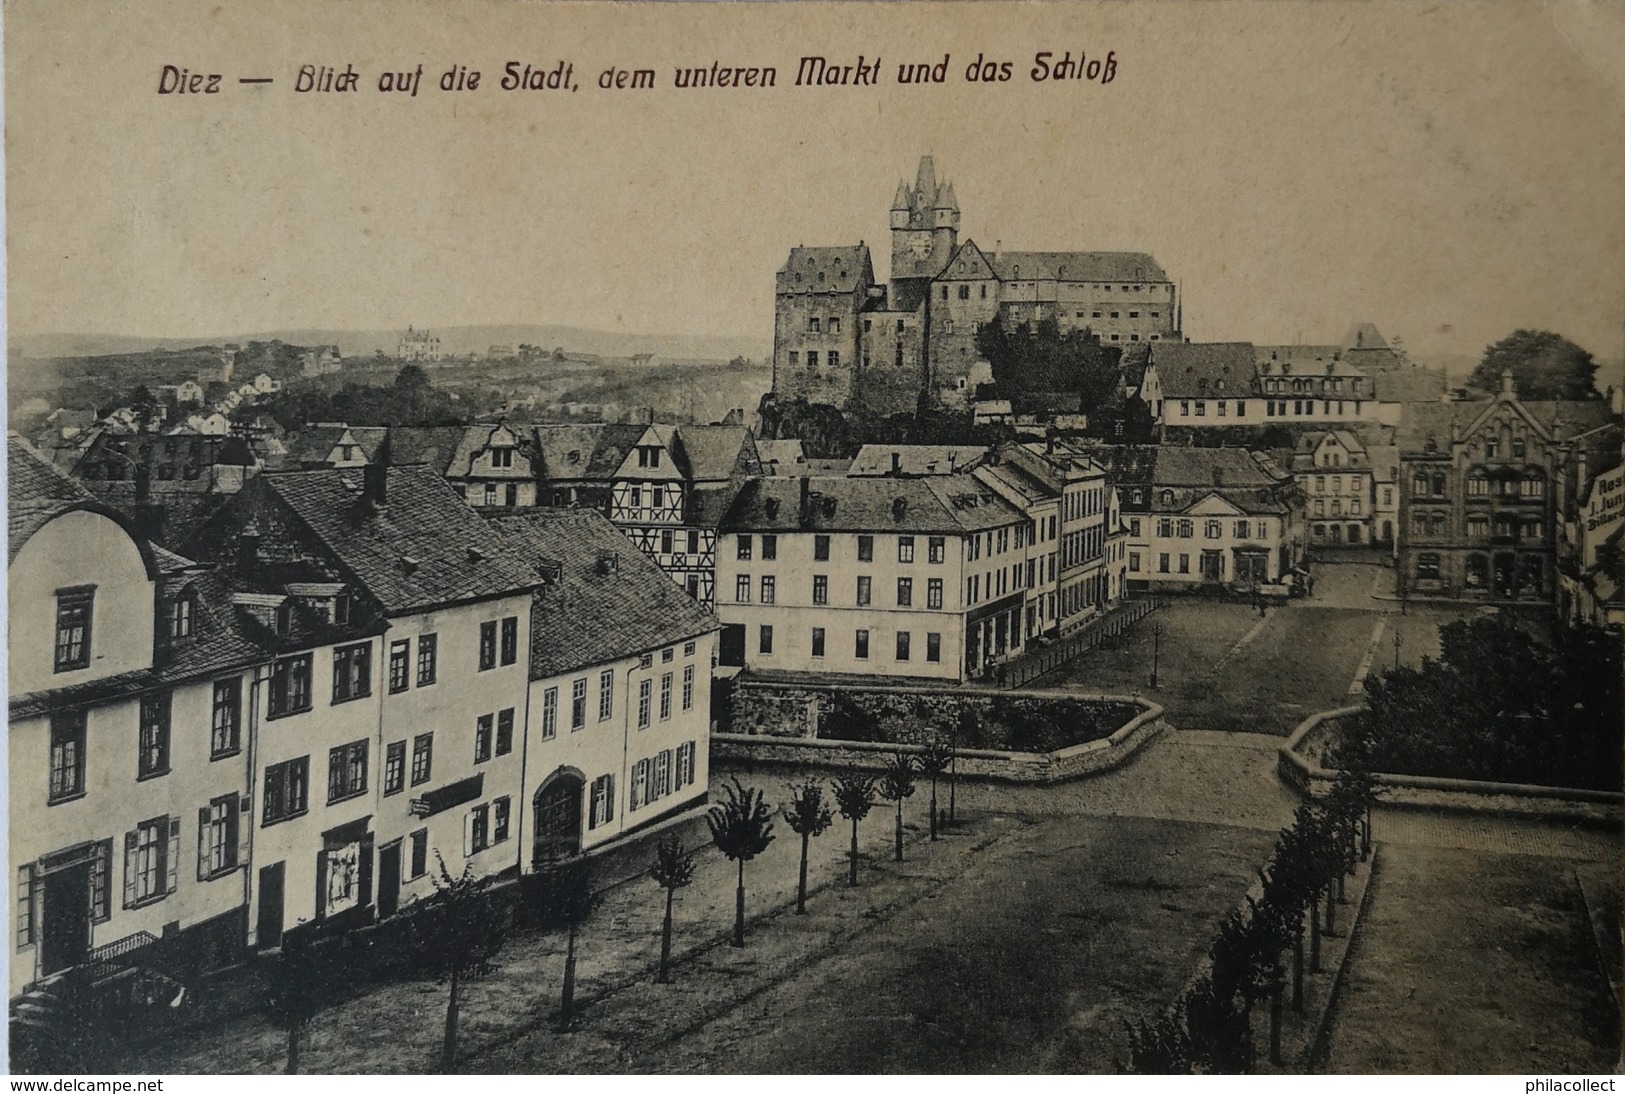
1481, 487
421, 635
620, 687
842, 338
132, 685
1334, 473
1215, 516
922, 577
418, 345
492, 466
1385, 526
576, 463
1590, 586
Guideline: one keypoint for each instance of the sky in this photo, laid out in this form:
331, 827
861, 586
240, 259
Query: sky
1449, 172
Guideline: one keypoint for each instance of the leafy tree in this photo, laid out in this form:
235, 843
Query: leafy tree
458, 930
568, 897
934, 762
807, 816
673, 869
897, 785
854, 797
741, 827
1029, 360
297, 984
1544, 366
1159, 1046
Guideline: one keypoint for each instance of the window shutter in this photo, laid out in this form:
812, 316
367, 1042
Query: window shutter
129, 869
321, 885
365, 879
174, 862
468, 833
609, 798
202, 843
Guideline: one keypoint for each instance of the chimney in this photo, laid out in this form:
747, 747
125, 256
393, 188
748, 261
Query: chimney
608, 563
806, 500
1506, 383
375, 476
1218, 476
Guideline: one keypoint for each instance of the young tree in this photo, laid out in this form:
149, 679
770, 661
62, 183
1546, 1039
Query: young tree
673, 869
741, 827
934, 762
459, 929
296, 984
807, 816
568, 897
854, 797
897, 785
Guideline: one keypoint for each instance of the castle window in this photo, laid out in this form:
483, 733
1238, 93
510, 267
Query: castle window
868, 324
964, 292
834, 325
820, 277
812, 324
945, 292
1518, 449
795, 359
834, 359
899, 326
1134, 315
984, 292
1114, 315
812, 358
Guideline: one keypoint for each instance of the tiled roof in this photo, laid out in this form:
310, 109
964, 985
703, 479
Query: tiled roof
949, 505
1205, 370
707, 505
425, 548
1133, 363
220, 632
593, 617
1208, 467
432, 445
715, 453
1364, 336
473, 440
37, 491
591, 451
1410, 385
826, 269
1252, 500
917, 459
781, 457
1124, 266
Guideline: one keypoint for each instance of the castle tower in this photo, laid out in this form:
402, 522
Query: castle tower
924, 225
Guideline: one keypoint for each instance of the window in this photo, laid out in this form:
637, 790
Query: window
1213, 529
820, 548
765, 639
346, 771
550, 713
644, 689
1532, 485
483, 728
420, 853
933, 593
352, 672
866, 548
820, 592
150, 854
73, 611
490, 497
601, 809
795, 358
226, 718
834, 356
287, 789
501, 809
1478, 526
510, 640
501, 457
1134, 562
770, 548
818, 641
812, 324
861, 645
578, 703
665, 697
688, 687
1187, 529
936, 549
426, 659
1427, 567
1244, 529
638, 795
479, 829
902, 645
422, 758
905, 592
865, 591
400, 660
394, 767
217, 837
1478, 484
1492, 447
933, 646
662, 775
1519, 448
290, 686
153, 755
488, 645
67, 755
685, 765
606, 695
744, 548
905, 548
742, 589
180, 617
812, 358
1184, 564
1165, 527
770, 589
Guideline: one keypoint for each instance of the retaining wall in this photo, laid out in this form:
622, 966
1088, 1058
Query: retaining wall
1298, 765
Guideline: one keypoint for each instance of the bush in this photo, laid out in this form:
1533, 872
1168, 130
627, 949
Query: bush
1001, 722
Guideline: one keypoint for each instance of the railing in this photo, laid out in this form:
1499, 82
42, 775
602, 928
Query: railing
1030, 666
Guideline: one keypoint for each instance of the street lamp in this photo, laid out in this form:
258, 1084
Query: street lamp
1156, 650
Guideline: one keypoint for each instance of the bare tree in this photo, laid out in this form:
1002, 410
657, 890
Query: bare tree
897, 785
459, 929
934, 762
854, 796
741, 827
296, 984
807, 816
568, 897
673, 869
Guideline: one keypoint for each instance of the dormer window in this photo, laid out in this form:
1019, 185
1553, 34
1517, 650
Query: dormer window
649, 454
501, 457
180, 617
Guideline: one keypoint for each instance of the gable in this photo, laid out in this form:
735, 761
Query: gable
1212, 505
651, 457
969, 263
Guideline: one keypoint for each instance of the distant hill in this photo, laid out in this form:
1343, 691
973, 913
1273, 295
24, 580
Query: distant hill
453, 340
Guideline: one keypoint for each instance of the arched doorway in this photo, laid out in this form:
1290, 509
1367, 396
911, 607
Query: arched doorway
557, 812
